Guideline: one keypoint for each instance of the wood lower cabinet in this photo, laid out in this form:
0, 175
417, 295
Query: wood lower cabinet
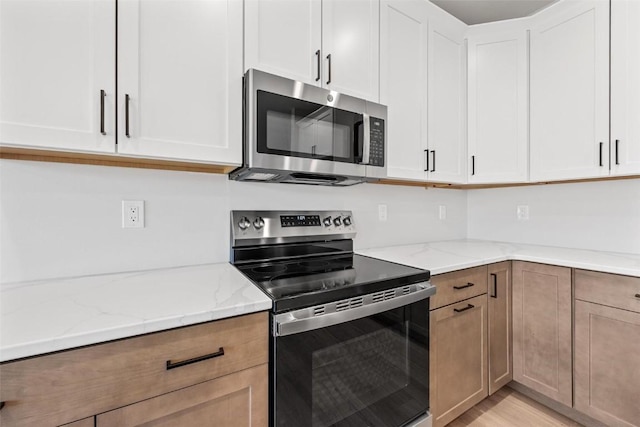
86, 422
499, 325
238, 399
458, 358
542, 357
72, 385
607, 347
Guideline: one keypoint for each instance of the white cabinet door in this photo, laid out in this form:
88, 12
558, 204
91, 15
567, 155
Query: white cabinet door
570, 91
283, 37
625, 87
350, 44
447, 100
180, 79
403, 85
498, 104
55, 59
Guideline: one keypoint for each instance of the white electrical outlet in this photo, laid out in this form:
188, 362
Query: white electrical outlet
382, 213
442, 212
133, 214
522, 212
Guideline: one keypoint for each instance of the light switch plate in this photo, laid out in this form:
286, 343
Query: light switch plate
442, 212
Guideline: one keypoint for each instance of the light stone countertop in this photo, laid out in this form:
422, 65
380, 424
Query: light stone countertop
51, 315
445, 256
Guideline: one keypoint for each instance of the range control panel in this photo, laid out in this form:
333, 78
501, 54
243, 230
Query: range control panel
281, 226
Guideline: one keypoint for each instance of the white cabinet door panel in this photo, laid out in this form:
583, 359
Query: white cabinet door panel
403, 85
350, 34
570, 91
447, 101
55, 58
283, 37
498, 106
625, 87
180, 63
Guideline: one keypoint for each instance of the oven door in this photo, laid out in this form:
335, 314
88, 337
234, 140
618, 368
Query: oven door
368, 371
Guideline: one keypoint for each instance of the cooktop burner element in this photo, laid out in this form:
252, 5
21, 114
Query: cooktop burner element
299, 260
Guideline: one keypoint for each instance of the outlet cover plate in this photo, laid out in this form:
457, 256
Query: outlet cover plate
522, 212
133, 214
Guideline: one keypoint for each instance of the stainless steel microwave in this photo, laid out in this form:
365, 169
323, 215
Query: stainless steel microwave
304, 134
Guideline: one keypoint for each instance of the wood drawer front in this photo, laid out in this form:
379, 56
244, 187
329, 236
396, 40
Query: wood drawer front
608, 289
447, 283
70, 385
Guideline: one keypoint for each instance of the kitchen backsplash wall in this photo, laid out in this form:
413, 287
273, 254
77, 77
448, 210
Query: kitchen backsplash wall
601, 215
60, 220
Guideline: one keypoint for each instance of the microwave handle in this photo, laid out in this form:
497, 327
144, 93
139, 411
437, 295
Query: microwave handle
366, 138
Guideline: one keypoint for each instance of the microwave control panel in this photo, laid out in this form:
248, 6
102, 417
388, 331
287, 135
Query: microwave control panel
376, 152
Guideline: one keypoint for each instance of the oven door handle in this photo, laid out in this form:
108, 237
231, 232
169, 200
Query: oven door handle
293, 323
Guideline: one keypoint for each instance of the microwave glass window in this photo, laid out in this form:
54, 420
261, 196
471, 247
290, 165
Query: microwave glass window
292, 127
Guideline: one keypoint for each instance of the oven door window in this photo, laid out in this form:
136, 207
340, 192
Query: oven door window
293, 127
367, 372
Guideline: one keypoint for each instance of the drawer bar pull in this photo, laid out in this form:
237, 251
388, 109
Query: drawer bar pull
460, 310
637, 295
468, 285
172, 365
494, 294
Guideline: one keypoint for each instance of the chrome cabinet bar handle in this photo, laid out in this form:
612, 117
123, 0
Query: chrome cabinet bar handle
617, 158
329, 74
473, 165
102, 95
433, 165
318, 61
494, 294
173, 365
601, 145
126, 116
426, 160
468, 285
460, 310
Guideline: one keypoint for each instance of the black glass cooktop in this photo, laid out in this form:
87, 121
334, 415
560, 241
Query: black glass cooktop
293, 284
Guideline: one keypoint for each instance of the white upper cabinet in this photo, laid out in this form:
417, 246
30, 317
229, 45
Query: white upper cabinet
569, 91
446, 77
403, 85
625, 87
422, 82
180, 79
350, 46
57, 74
498, 102
283, 37
329, 43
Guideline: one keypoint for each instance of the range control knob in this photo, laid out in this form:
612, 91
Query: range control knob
258, 223
347, 221
244, 223
337, 221
327, 221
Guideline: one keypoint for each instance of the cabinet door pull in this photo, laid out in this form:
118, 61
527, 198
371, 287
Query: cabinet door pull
617, 144
102, 95
460, 310
172, 365
433, 164
468, 285
329, 73
426, 160
473, 165
126, 116
318, 60
494, 294
600, 154
637, 295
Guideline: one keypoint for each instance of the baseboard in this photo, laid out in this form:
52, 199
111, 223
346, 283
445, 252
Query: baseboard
571, 413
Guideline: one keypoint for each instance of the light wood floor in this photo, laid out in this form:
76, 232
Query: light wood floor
508, 408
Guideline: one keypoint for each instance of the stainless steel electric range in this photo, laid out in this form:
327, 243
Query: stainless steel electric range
349, 333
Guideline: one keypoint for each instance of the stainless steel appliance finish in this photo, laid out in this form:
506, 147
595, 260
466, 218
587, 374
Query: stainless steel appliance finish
309, 145
349, 343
